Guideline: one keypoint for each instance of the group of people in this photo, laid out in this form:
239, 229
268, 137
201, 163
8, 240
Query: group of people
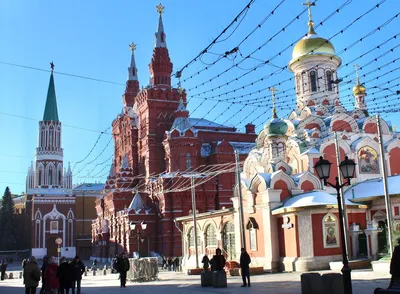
55, 278
218, 262
171, 263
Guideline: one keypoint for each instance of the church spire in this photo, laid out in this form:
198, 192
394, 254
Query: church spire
311, 30
132, 70
50, 111
161, 41
160, 66
360, 92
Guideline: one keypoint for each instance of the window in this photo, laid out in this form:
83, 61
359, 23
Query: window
53, 227
37, 233
330, 229
298, 80
329, 81
40, 177
188, 161
191, 238
313, 80
59, 178
211, 236
253, 239
50, 176
303, 81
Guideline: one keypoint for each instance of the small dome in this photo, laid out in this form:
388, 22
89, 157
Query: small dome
276, 127
359, 89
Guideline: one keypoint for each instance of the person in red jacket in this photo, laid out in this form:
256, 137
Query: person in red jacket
52, 282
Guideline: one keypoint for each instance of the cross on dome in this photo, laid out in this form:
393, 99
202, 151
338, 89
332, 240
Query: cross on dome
132, 46
310, 21
357, 76
273, 90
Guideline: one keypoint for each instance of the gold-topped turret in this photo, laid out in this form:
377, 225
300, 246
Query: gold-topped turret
358, 89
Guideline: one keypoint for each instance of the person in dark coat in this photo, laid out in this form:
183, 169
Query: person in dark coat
206, 262
3, 268
64, 275
43, 269
219, 260
123, 268
77, 270
245, 267
31, 275
395, 266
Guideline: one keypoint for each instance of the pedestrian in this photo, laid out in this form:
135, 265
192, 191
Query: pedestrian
169, 263
206, 262
31, 276
245, 267
77, 268
123, 268
395, 266
164, 263
43, 269
219, 260
64, 275
3, 268
176, 263
50, 274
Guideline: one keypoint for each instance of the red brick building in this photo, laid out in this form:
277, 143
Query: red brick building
157, 145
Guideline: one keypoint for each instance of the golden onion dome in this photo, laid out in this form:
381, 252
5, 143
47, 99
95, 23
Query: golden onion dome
359, 89
312, 44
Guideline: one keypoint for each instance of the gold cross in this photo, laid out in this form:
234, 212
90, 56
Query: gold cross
273, 90
160, 8
309, 4
132, 46
357, 76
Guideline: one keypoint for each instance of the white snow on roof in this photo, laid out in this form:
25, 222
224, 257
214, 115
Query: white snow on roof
88, 187
181, 124
315, 198
242, 147
137, 203
373, 188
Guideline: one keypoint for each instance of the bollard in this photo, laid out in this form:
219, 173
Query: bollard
20, 275
94, 272
104, 272
86, 270
311, 283
206, 278
332, 283
11, 276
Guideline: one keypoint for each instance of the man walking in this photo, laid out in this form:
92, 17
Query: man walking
3, 268
245, 267
123, 268
77, 270
64, 275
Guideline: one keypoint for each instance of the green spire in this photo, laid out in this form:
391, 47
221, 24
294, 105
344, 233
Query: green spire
50, 111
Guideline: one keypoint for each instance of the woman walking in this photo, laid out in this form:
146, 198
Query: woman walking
31, 276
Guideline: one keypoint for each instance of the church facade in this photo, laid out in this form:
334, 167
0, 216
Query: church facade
49, 195
291, 218
160, 154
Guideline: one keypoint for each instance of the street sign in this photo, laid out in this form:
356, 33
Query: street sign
58, 241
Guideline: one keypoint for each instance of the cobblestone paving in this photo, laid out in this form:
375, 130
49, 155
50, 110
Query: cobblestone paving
364, 281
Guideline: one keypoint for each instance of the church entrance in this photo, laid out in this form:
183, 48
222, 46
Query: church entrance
229, 241
382, 240
51, 247
362, 246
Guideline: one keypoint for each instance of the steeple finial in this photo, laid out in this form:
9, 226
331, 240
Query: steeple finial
273, 90
160, 8
52, 66
357, 76
132, 70
310, 21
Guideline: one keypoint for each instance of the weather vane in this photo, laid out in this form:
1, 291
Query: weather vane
273, 90
52, 66
160, 8
132, 46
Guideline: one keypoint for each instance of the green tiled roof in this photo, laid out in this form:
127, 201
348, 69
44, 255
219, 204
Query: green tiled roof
50, 111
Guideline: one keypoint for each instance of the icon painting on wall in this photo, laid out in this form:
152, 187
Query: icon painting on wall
368, 160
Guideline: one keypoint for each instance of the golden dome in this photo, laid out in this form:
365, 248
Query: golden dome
312, 44
359, 89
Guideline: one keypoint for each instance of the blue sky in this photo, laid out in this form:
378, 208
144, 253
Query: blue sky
91, 40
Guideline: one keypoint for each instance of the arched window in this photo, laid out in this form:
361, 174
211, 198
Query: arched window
329, 81
229, 240
40, 177
59, 177
50, 176
51, 137
303, 81
211, 236
191, 238
188, 161
330, 229
313, 80
298, 82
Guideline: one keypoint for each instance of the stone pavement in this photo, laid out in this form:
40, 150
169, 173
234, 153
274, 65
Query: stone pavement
364, 282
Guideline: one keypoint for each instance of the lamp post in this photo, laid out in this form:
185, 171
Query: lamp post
347, 167
138, 229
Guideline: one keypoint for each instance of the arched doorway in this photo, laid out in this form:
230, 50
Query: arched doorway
51, 247
229, 241
383, 245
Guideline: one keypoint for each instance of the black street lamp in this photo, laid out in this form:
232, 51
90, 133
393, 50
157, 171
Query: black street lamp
347, 167
138, 229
